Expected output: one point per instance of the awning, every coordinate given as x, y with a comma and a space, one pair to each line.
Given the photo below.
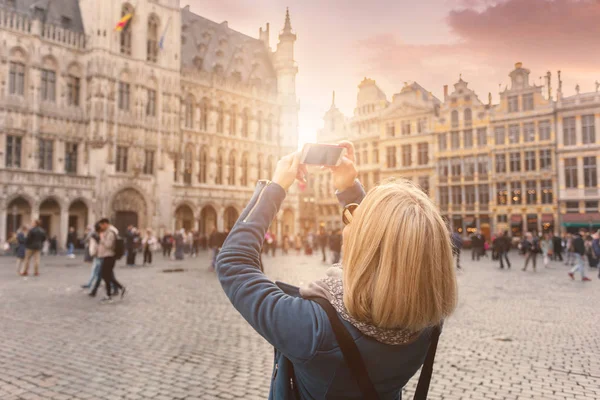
469, 220
582, 218
516, 219
593, 225
547, 218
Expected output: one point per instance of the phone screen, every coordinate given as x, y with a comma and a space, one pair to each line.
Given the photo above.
323, 155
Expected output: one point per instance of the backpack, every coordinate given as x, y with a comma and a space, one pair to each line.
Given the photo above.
119, 247
535, 246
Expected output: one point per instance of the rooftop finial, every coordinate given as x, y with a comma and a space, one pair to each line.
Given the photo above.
288, 24
333, 100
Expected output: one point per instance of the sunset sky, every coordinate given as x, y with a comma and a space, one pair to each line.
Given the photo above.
428, 41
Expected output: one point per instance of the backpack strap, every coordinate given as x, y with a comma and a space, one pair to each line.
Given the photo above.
349, 350
427, 370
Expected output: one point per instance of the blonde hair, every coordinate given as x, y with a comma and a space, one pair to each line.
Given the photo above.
398, 265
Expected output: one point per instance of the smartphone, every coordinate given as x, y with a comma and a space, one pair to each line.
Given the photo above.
329, 155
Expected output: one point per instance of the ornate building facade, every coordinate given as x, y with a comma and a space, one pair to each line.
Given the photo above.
165, 125
529, 163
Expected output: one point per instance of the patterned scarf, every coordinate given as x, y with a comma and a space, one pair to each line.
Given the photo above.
332, 289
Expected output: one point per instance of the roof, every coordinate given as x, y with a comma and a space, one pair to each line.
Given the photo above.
208, 45
64, 13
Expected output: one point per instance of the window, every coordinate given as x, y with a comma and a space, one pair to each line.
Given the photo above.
484, 195
546, 188
500, 135
390, 129
375, 154
482, 167
444, 198
468, 139
122, 159
590, 172
231, 177
469, 167
455, 167
423, 150
482, 137
500, 163
176, 168
470, 195
516, 193
124, 90
501, 194
514, 134
468, 117
391, 157
188, 162
454, 119
13, 151
151, 105
221, 118
531, 188
73, 90
48, 86
591, 206
424, 183
515, 161
259, 128
571, 173
406, 127
545, 159
406, 155
529, 132
544, 130
244, 179
70, 158
588, 130
443, 141
572, 207
16, 78
245, 123
421, 125
457, 195
148, 162
454, 140
219, 174
152, 42
502, 218
513, 103
528, 102
569, 138
530, 161
270, 128
203, 166
125, 38
443, 168
45, 154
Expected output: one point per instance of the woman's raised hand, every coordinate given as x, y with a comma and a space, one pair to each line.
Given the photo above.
345, 173
289, 169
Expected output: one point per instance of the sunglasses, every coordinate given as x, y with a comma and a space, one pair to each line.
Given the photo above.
348, 212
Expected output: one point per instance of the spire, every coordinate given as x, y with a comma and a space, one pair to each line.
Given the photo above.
333, 100
287, 28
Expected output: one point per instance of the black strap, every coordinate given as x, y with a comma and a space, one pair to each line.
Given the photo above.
356, 364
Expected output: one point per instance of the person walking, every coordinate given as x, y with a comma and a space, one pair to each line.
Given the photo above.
570, 259
477, 243
130, 246
596, 246
323, 243
92, 243
148, 243
167, 245
389, 319
578, 248
335, 245
33, 248
285, 244
457, 244
298, 244
196, 243
547, 246
106, 253
531, 248
179, 244
589, 251
71, 240
21, 247
503, 244
557, 248
214, 244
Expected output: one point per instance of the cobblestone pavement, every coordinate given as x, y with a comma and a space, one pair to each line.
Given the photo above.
515, 335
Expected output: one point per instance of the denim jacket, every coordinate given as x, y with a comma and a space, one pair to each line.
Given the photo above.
298, 328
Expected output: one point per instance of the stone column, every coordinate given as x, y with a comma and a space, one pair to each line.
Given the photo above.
3, 233
63, 227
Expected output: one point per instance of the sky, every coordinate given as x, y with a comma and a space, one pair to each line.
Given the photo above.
431, 42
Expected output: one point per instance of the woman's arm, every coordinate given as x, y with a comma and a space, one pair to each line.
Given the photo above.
292, 325
353, 194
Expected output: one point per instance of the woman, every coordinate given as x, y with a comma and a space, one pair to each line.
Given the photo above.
179, 244
298, 244
20, 250
148, 242
398, 282
92, 242
547, 247
590, 253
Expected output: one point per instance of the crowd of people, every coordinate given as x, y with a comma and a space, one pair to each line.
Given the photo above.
309, 244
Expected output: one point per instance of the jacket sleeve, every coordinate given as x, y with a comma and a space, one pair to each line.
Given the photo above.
354, 194
108, 240
291, 324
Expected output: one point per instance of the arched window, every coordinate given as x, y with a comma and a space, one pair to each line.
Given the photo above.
245, 123
189, 112
270, 128
244, 180
152, 42
202, 171
219, 176
233, 120
231, 177
126, 31
188, 162
204, 115
468, 117
259, 130
259, 167
455, 119
220, 118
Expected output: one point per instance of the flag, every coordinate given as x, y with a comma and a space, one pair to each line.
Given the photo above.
123, 22
161, 42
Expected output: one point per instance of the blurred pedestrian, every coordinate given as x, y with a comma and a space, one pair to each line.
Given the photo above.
53, 246
477, 243
578, 249
214, 244
298, 244
531, 246
457, 244
547, 248
21, 240
167, 244
502, 245
148, 243
107, 255
335, 245
323, 238
71, 240
130, 245
589, 251
570, 259
92, 242
285, 244
33, 247
557, 248
179, 244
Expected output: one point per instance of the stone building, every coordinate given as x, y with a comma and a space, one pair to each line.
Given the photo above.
166, 124
529, 163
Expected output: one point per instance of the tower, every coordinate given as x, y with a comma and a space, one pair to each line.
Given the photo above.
286, 69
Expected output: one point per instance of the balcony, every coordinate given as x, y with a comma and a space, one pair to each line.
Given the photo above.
456, 207
484, 207
455, 179
470, 207
44, 178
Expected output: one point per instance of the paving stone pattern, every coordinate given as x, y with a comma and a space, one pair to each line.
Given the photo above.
515, 335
